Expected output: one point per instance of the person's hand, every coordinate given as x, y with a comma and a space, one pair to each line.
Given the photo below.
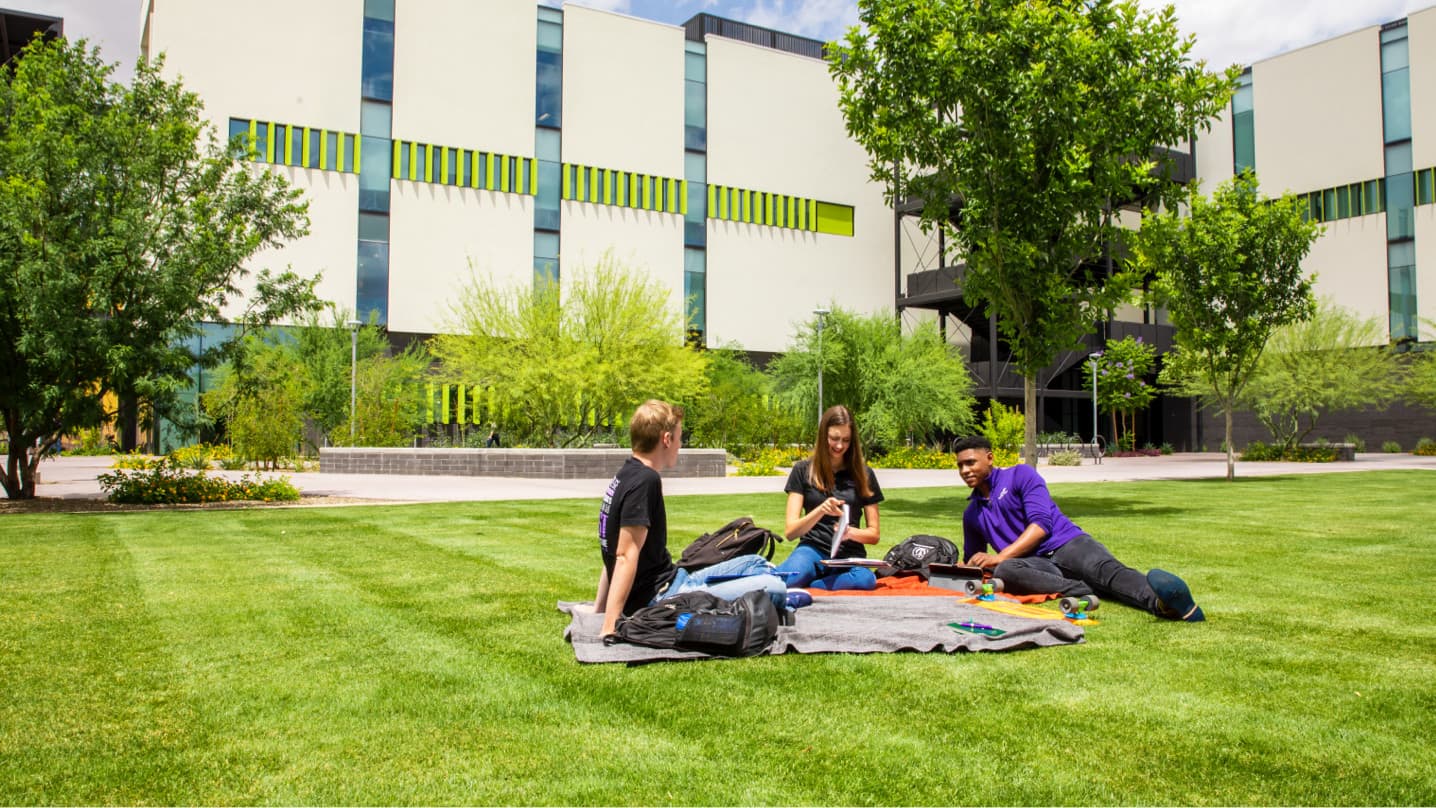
984, 560
832, 506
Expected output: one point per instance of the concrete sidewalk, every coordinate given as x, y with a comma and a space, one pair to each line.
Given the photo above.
76, 478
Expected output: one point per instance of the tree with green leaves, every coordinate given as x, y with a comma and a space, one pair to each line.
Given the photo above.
1332, 362
738, 411
123, 225
900, 387
1419, 384
1038, 119
564, 364
1229, 273
1122, 388
328, 354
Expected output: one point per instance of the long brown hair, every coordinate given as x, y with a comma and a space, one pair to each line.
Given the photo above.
820, 466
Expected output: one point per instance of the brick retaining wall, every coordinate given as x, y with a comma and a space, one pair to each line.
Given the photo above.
562, 464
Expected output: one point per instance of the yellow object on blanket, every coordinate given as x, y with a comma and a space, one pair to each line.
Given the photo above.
1006, 605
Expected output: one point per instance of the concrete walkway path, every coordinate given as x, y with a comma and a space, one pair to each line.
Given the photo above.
76, 478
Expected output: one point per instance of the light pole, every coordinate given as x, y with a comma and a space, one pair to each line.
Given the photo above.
353, 373
1093, 357
822, 313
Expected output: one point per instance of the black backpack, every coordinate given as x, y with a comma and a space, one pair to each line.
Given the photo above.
912, 555
702, 621
737, 538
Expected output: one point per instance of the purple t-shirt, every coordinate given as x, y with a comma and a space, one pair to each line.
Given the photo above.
1017, 498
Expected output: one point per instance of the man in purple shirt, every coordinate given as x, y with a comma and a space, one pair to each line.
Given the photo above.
1037, 549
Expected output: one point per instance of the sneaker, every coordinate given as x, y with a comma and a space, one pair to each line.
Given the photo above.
1174, 599
798, 598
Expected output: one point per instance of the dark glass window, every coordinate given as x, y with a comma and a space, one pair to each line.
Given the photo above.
239, 128
1400, 201
546, 204
261, 142
373, 227
331, 146
548, 96
378, 67
372, 294
374, 176
695, 116
1396, 104
1401, 280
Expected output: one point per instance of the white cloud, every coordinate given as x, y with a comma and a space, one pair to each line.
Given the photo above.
818, 19
1247, 31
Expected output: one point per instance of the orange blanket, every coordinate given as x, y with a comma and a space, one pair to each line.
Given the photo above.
915, 585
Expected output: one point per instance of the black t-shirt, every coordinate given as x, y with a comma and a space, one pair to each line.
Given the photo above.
820, 538
635, 499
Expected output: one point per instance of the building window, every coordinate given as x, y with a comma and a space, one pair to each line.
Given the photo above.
1243, 126
1401, 260
372, 294
378, 59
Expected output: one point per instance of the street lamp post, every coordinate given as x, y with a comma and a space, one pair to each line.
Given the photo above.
353, 373
822, 313
1096, 453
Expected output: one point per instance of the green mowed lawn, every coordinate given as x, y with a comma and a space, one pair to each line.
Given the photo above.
413, 654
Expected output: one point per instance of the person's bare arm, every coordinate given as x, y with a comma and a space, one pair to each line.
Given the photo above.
869, 533
625, 568
798, 524
600, 600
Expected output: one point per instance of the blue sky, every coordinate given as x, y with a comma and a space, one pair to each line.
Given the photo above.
1227, 31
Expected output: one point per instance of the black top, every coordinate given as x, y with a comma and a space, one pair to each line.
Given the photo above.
820, 538
635, 499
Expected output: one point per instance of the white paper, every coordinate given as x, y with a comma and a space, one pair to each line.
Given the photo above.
842, 527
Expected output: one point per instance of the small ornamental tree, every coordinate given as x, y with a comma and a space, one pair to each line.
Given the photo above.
1229, 273
1332, 362
1122, 386
900, 387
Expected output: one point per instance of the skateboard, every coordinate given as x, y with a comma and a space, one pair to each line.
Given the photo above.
1012, 607
1076, 608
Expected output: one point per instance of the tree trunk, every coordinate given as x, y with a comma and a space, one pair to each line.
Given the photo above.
1231, 453
18, 477
1029, 442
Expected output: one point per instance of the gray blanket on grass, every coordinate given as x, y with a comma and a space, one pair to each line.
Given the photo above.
854, 625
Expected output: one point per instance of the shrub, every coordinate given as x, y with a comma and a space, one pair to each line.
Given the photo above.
915, 457
1258, 451
1356, 441
134, 460
1390, 447
92, 442
1004, 427
165, 482
1425, 447
1166, 449
191, 457
1065, 457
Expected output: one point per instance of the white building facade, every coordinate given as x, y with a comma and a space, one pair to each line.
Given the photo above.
437, 138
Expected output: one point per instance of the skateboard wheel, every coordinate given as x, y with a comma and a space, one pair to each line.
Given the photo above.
972, 587
1069, 604
1093, 602
996, 584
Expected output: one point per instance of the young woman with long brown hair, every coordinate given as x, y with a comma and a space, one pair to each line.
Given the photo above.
818, 487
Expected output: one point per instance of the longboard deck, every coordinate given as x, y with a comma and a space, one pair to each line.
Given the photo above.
1005, 606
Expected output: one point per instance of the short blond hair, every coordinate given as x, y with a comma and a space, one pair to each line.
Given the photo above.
650, 421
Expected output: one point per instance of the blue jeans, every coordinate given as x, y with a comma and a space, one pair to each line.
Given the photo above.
807, 563
757, 576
